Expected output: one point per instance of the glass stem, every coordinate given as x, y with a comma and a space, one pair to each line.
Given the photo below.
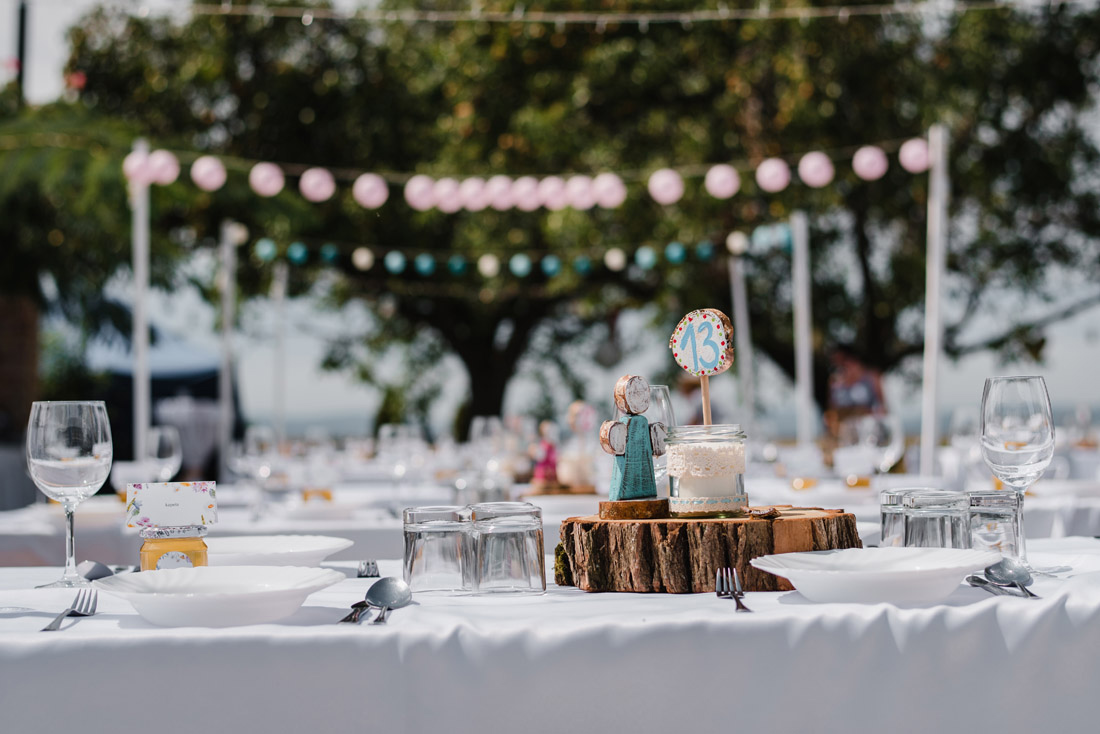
70, 545
1021, 543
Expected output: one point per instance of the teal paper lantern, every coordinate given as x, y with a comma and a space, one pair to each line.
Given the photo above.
424, 264
582, 265
675, 253
297, 253
704, 250
329, 252
394, 262
551, 265
265, 249
456, 264
645, 257
520, 265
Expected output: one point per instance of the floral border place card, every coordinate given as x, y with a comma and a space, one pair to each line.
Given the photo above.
171, 504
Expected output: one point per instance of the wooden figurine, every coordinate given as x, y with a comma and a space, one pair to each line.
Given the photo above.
545, 454
633, 442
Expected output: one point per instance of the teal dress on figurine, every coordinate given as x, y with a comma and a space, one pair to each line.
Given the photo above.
632, 476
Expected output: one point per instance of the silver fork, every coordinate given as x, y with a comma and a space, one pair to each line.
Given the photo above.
368, 570
727, 586
83, 605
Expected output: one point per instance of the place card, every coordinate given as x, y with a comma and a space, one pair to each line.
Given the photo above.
171, 504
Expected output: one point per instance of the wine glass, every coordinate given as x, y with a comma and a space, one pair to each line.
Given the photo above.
1017, 434
659, 411
165, 451
885, 436
69, 455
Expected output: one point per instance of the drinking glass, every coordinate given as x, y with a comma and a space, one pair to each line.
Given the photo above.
935, 518
438, 553
165, 451
69, 455
659, 411
507, 548
1017, 431
995, 521
886, 436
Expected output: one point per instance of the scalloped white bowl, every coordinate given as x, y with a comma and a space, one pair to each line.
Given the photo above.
874, 575
273, 550
219, 597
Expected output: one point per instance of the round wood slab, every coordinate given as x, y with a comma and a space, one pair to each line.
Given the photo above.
681, 556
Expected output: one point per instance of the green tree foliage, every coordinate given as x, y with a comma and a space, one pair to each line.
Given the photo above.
474, 98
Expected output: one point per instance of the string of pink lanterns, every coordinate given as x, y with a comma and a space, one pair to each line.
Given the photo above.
525, 193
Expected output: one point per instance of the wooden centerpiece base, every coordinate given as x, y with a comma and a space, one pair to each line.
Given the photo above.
648, 509
682, 555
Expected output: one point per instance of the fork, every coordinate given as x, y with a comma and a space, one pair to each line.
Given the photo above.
368, 570
83, 605
727, 586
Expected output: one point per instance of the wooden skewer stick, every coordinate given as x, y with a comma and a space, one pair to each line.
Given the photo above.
704, 384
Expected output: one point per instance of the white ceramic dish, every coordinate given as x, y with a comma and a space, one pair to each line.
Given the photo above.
273, 550
873, 575
219, 597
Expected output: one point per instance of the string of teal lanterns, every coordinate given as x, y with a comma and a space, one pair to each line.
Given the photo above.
521, 265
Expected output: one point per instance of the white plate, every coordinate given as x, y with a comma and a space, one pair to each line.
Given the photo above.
872, 575
219, 597
273, 550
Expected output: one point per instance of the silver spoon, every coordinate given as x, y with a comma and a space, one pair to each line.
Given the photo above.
1008, 572
388, 593
982, 583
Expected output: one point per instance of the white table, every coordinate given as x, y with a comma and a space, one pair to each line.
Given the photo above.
570, 661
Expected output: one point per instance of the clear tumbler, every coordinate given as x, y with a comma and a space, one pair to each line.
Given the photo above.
995, 521
893, 517
438, 549
508, 547
936, 518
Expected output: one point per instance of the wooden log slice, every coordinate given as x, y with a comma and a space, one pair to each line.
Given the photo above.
613, 437
681, 555
647, 509
632, 394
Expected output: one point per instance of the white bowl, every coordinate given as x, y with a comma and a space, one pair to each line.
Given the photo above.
273, 550
872, 575
219, 597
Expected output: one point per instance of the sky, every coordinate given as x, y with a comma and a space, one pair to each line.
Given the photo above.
316, 396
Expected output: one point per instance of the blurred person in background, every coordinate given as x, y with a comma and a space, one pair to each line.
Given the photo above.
855, 390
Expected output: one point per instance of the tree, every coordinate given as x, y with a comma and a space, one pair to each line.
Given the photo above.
473, 98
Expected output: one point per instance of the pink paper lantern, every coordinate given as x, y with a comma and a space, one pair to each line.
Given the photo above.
472, 194
163, 167
913, 155
266, 179
317, 185
773, 175
722, 181
870, 163
420, 193
666, 186
552, 193
525, 193
370, 191
608, 190
135, 167
579, 194
447, 198
208, 173
498, 191
816, 170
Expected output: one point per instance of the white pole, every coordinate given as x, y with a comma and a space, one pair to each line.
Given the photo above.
227, 283
743, 337
803, 333
278, 294
142, 388
939, 192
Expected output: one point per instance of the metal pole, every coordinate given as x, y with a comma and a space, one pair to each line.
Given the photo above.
939, 193
803, 334
743, 337
228, 285
142, 388
278, 294
21, 54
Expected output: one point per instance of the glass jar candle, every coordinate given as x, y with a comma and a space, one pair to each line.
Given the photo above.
173, 547
706, 469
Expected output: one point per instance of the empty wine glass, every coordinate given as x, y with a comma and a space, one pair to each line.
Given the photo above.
165, 451
659, 411
885, 435
69, 455
1017, 434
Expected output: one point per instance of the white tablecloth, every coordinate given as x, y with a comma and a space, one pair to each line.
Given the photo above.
570, 661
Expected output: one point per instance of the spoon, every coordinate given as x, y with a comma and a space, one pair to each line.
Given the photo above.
388, 593
982, 583
1008, 572
357, 610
